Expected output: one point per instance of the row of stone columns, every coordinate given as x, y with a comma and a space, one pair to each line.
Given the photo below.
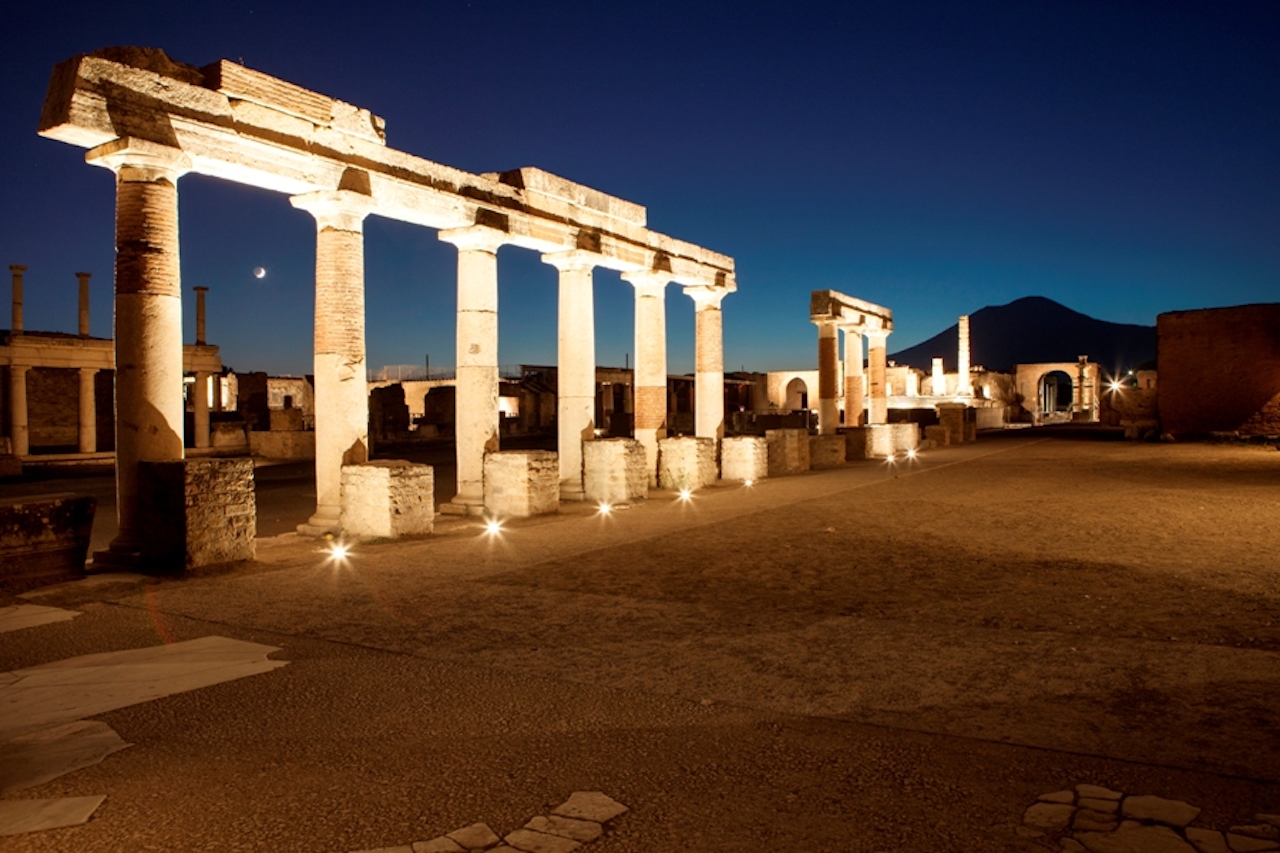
19, 415
828, 376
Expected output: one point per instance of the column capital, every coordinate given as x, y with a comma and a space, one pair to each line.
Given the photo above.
342, 210
140, 160
475, 238
880, 336
706, 297
89, 370
19, 269
575, 259
648, 282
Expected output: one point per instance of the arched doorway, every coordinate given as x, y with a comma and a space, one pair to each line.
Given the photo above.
797, 395
1057, 396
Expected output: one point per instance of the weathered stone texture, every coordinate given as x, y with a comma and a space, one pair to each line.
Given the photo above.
196, 512
387, 498
788, 451
285, 444
686, 463
938, 434
826, 451
873, 441
615, 470
44, 540
954, 417
520, 483
744, 457
905, 437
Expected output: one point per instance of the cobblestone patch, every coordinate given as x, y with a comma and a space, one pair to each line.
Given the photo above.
577, 821
1093, 819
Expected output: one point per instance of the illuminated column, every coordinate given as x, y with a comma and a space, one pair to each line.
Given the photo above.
855, 405
964, 387
84, 302
16, 325
1077, 401
200, 409
200, 329
708, 361
88, 411
476, 395
148, 317
19, 432
576, 359
938, 377
341, 389
828, 378
651, 364
879, 408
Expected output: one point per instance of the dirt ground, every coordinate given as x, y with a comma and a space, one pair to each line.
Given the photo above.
875, 658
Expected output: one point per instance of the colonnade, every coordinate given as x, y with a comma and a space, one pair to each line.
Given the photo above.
834, 313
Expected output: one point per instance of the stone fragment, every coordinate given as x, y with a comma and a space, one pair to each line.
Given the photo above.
443, 844
579, 830
1098, 792
1049, 816
1070, 845
1248, 844
540, 842
1057, 797
1099, 805
19, 816
478, 836
1171, 812
1135, 839
590, 805
1090, 820
1259, 830
1207, 840
36, 757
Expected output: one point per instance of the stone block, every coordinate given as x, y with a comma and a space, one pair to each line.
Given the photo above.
686, 463
614, 470
873, 441
954, 416
387, 498
520, 483
788, 451
44, 540
936, 433
196, 512
905, 437
286, 419
291, 444
826, 451
744, 457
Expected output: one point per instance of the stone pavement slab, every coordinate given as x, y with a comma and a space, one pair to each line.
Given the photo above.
18, 616
22, 816
38, 756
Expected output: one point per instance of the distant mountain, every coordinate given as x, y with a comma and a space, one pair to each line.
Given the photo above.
1035, 329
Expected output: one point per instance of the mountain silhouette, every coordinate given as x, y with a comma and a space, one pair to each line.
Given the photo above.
1032, 330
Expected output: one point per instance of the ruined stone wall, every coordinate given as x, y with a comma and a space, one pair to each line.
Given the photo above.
196, 512
53, 408
1220, 370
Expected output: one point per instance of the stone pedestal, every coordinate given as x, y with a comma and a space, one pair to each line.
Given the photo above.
873, 441
615, 470
905, 437
953, 416
387, 498
195, 512
744, 457
826, 451
788, 451
686, 463
937, 434
520, 483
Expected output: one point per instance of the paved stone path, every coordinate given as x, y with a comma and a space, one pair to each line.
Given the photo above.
1099, 820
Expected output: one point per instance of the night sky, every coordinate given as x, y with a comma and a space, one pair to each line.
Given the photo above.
1120, 158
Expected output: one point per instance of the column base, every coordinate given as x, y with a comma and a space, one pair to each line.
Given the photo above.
114, 559
570, 491
455, 508
326, 520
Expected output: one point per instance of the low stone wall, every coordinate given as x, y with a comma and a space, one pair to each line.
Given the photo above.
614, 470
826, 451
744, 457
196, 512
873, 441
520, 483
956, 417
44, 540
938, 434
228, 435
906, 437
988, 417
387, 498
291, 444
686, 463
788, 451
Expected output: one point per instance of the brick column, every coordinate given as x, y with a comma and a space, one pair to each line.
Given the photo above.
84, 302
576, 366
878, 412
708, 361
149, 402
200, 409
828, 378
88, 411
16, 270
476, 414
341, 389
19, 431
200, 329
650, 386
855, 404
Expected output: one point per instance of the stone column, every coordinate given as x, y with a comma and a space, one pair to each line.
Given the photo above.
828, 378
148, 319
84, 303
576, 366
19, 432
650, 387
938, 377
879, 409
88, 411
476, 413
855, 404
200, 292
708, 361
964, 387
341, 389
200, 409
17, 270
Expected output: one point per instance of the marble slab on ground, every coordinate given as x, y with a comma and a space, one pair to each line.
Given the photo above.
37, 757
20, 816
18, 616
92, 579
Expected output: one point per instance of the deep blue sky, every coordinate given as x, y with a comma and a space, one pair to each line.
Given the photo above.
1121, 158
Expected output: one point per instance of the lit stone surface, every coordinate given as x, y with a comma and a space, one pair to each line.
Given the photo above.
938, 434
744, 457
1207, 840
826, 451
788, 451
590, 805
1098, 792
583, 831
953, 417
540, 842
477, 836
387, 498
873, 441
1048, 816
443, 844
197, 512
905, 437
576, 366
521, 483
17, 616
1136, 839
1250, 844
686, 463
39, 756
615, 470
1171, 812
